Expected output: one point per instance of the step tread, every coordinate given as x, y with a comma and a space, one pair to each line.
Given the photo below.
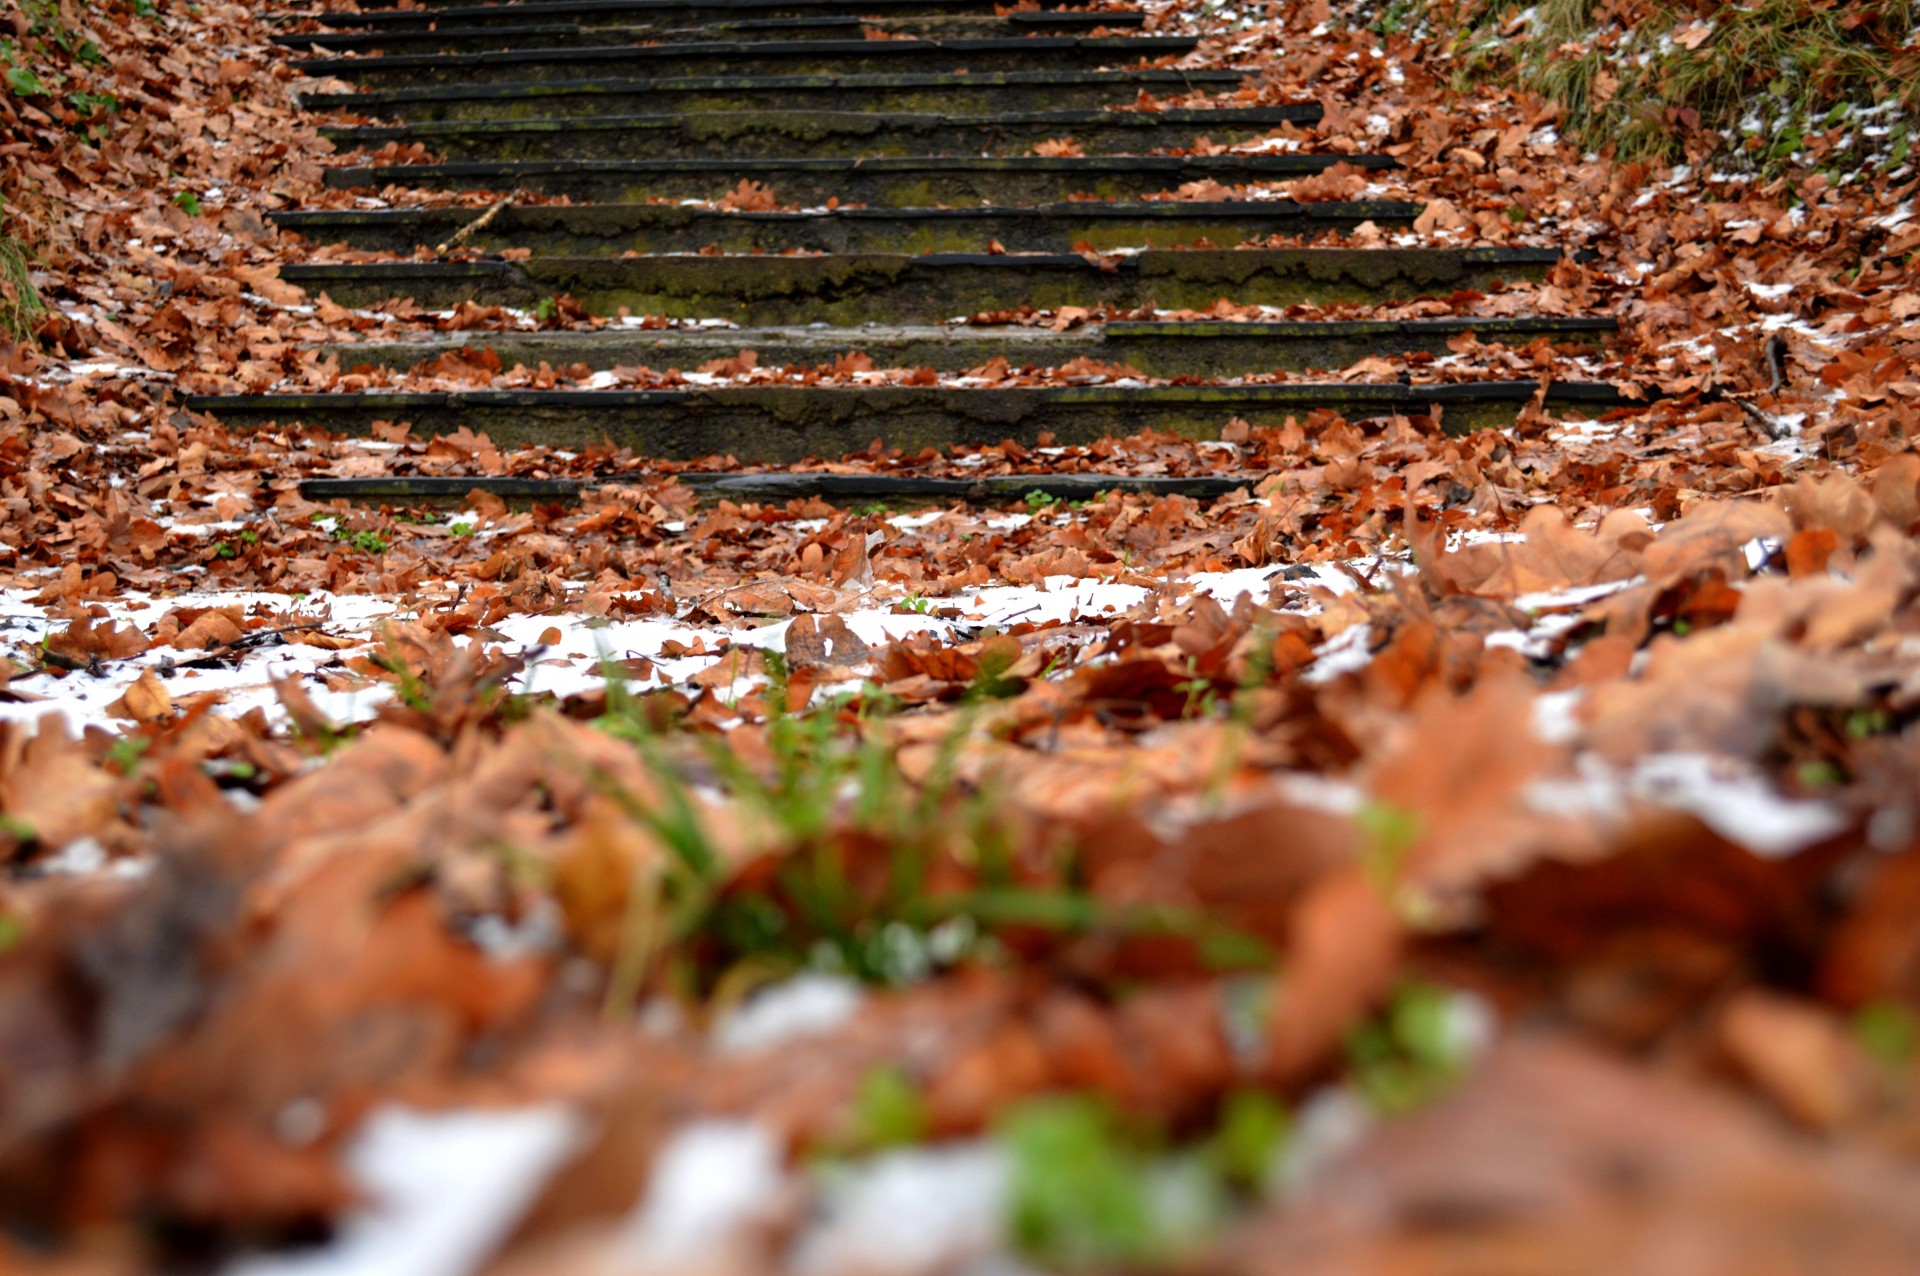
345, 40
745, 50
977, 81
1283, 393
577, 8
1119, 210
787, 483
1224, 116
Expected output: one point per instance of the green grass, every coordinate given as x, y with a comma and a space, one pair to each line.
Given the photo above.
20, 303
1782, 78
864, 871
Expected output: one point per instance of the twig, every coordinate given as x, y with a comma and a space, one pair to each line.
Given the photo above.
1773, 426
1776, 351
473, 227
246, 642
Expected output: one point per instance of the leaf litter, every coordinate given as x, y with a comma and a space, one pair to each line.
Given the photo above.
1514, 830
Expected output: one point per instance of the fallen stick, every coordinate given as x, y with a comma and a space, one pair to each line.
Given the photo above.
478, 224
1771, 425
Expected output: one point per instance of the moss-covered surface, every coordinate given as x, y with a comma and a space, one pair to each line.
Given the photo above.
980, 93
782, 424
890, 182
778, 133
661, 13
611, 229
770, 57
481, 37
859, 288
1203, 350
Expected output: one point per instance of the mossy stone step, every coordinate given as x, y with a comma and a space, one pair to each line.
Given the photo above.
1165, 349
977, 93
574, 230
787, 485
771, 57
784, 424
910, 181
780, 134
898, 288
644, 12
555, 35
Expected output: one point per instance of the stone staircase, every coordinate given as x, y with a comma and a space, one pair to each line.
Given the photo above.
899, 138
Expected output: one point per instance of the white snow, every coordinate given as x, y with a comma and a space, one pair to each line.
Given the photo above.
712, 1180
804, 1006
444, 1190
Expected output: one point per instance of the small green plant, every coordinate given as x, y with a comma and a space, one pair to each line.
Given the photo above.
368, 542
124, 754
1079, 1193
224, 549
917, 604
546, 309
888, 1111
1413, 1052
187, 202
1890, 1034
20, 303
1038, 500
461, 529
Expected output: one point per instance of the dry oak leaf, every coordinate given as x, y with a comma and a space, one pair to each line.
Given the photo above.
1553, 554
144, 701
1800, 1054
824, 640
81, 642
212, 629
749, 197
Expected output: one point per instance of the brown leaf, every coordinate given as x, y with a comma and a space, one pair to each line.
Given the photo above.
824, 640
145, 701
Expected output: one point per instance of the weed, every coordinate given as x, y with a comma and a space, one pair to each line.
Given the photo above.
187, 202
917, 604
1772, 73
1412, 1052
848, 883
20, 303
1089, 1192
461, 529
1890, 1034
888, 1111
123, 755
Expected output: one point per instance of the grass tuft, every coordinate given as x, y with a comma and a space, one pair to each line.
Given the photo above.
1780, 83
20, 303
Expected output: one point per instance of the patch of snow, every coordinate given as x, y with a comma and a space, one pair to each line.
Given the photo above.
443, 1189
806, 1005
919, 1210
712, 1180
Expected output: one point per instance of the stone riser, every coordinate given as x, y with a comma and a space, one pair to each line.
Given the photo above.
868, 288
783, 424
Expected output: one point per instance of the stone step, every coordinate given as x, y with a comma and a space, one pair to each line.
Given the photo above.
1209, 349
575, 230
556, 35
898, 288
779, 134
977, 93
780, 486
785, 424
684, 13
738, 57
906, 181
